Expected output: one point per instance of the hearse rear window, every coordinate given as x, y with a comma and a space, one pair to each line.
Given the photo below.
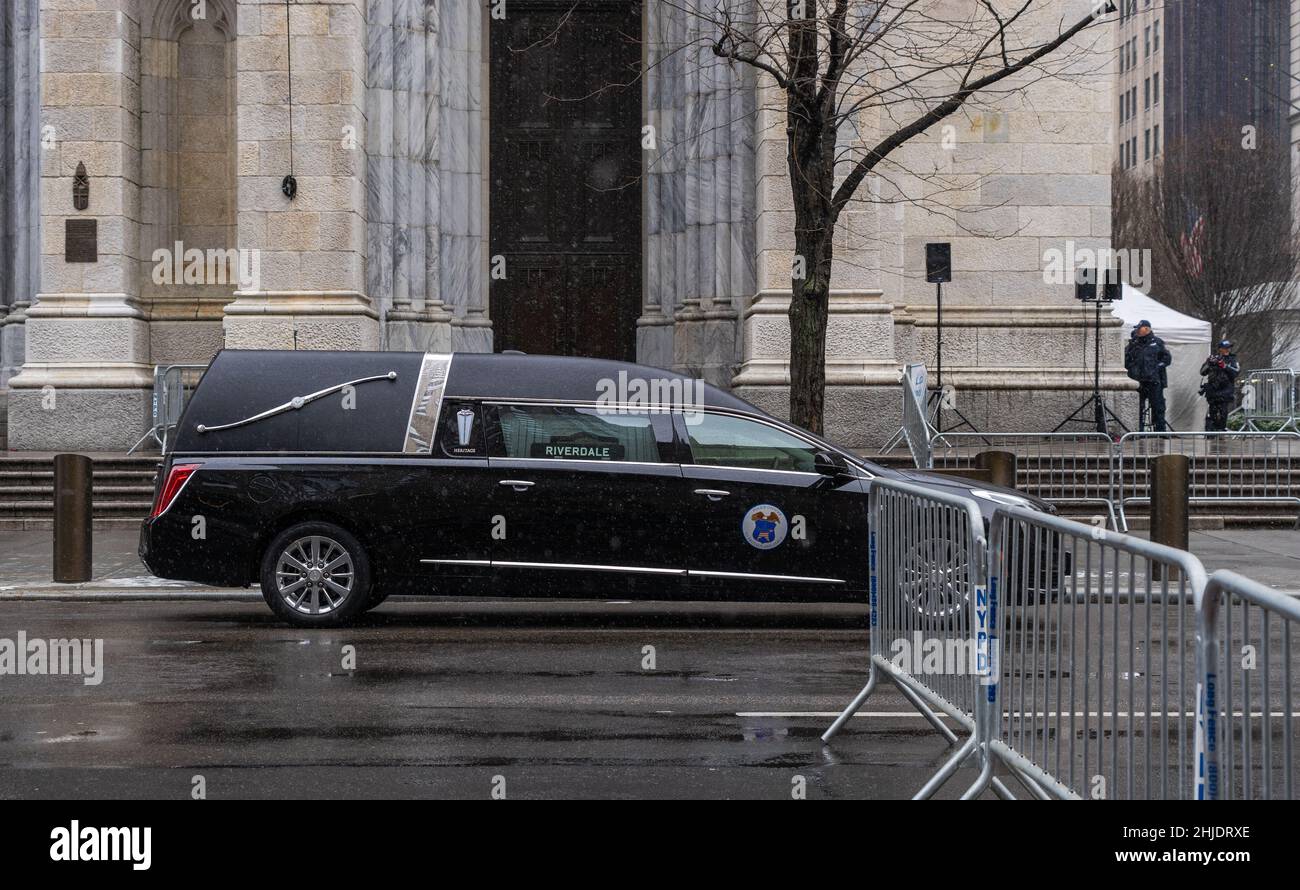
562, 432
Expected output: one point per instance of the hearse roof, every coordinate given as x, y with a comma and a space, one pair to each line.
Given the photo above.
512, 375
243, 401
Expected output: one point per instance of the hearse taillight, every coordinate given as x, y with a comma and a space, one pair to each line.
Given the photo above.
175, 480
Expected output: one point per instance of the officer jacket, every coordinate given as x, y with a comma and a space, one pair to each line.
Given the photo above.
1219, 381
1145, 359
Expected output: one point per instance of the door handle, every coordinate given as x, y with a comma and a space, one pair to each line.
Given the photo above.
517, 484
713, 494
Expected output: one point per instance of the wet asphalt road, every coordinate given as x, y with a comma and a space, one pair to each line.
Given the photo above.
453, 699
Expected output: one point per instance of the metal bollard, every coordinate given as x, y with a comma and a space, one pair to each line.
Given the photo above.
1001, 466
72, 517
1169, 510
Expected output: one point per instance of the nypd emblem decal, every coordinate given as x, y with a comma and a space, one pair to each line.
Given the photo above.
764, 526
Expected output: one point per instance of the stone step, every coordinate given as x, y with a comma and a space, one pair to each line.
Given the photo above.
99, 492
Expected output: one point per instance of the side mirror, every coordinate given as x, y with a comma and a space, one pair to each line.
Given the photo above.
830, 464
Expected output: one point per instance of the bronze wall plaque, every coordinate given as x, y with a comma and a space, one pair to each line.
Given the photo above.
81, 240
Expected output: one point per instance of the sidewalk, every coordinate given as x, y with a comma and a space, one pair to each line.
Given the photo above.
1269, 556
26, 558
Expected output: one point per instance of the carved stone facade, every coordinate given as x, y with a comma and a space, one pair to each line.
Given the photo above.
184, 126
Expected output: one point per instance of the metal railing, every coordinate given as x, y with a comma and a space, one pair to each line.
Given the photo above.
1082, 662
1098, 681
172, 387
927, 557
1064, 468
1268, 395
1231, 467
916, 431
1248, 644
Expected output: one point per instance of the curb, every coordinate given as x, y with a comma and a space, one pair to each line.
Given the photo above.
93, 593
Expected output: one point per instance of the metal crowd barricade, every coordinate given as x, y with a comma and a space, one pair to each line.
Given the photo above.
927, 557
1250, 647
916, 431
172, 387
1064, 468
1225, 467
1269, 396
1098, 675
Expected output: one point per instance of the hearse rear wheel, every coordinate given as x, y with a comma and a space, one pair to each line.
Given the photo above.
316, 574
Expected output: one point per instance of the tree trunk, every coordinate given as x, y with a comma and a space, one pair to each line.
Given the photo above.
809, 312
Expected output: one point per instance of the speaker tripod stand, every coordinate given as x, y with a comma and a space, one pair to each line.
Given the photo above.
935, 402
1094, 404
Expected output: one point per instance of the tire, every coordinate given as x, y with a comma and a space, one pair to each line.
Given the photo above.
314, 598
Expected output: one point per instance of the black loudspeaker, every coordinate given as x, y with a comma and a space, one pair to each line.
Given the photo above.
1085, 286
938, 263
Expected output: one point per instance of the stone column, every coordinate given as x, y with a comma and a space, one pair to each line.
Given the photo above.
312, 288
461, 163
700, 200
19, 183
402, 194
85, 380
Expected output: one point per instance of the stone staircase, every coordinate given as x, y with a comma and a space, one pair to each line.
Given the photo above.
122, 486
1203, 515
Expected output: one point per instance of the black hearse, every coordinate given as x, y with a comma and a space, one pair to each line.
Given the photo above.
336, 478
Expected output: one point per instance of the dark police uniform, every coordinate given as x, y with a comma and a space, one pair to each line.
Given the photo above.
1220, 373
1145, 359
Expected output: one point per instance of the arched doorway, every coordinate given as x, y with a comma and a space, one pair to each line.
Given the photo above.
188, 173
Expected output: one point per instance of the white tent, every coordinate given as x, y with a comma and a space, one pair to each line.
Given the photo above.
1188, 340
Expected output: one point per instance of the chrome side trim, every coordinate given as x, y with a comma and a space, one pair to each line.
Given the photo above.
426, 403
757, 577
552, 461
571, 566
508, 564
295, 403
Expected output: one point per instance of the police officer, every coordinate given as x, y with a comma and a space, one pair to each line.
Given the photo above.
1220, 371
1145, 359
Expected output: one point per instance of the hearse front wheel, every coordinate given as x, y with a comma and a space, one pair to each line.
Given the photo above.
316, 574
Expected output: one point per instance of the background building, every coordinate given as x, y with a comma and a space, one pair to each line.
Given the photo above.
1188, 65
1140, 81
453, 193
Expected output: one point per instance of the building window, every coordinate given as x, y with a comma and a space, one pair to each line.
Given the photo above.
1146, 93
1146, 147
1155, 31
1155, 140
1146, 42
1123, 59
1155, 87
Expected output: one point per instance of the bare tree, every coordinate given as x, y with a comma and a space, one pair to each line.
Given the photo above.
907, 63
1216, 213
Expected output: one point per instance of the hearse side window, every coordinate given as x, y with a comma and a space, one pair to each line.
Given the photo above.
460, 429
719, 440
567, 432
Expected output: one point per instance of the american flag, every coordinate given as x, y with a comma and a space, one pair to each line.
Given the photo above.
1193, 242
